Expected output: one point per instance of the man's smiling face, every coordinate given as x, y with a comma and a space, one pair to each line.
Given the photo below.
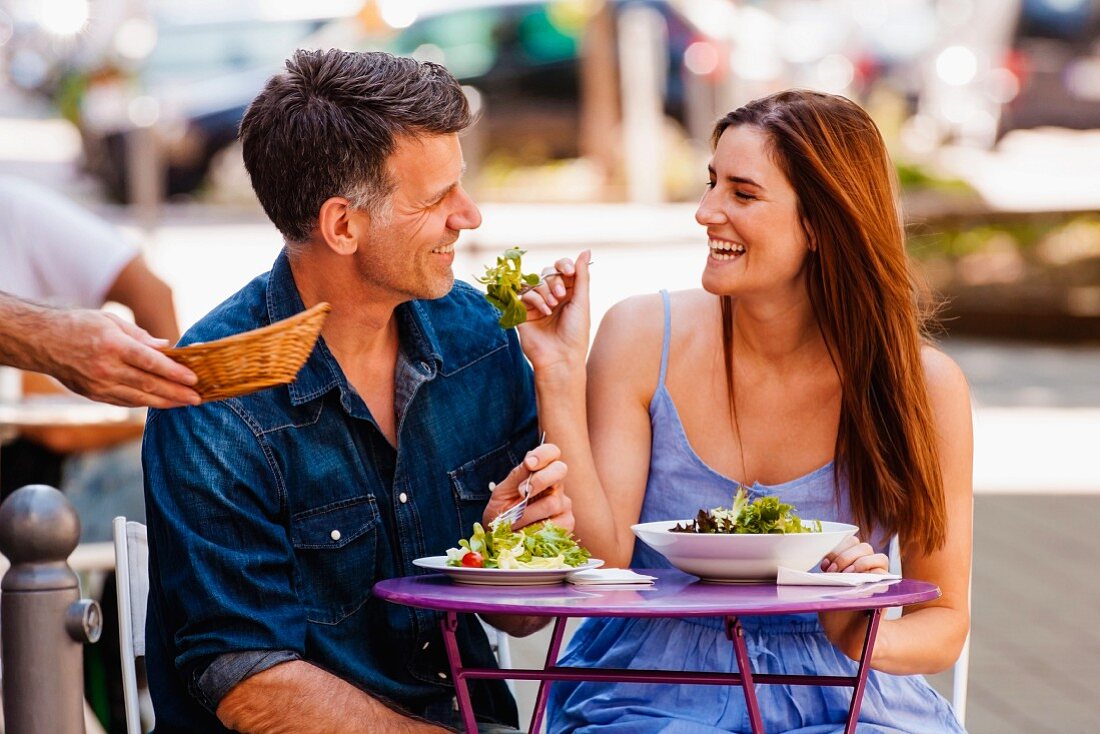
412, 236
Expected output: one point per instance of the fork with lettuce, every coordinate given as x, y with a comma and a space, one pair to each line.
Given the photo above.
504, 283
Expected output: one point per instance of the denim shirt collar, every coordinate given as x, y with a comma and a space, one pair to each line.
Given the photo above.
321, 372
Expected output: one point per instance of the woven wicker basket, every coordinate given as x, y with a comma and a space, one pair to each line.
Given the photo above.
243, 363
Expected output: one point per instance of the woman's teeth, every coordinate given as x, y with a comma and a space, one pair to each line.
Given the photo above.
721, 250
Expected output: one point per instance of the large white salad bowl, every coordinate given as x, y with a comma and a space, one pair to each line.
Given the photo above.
741, 558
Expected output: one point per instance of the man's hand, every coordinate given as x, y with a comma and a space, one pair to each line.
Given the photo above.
541, 473
107, 359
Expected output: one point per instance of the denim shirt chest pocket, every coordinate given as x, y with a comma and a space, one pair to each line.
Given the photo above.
335, 547
470, 483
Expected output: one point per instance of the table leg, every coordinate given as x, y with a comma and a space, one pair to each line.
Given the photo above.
874, 616
449, 623
737, 636
544, 685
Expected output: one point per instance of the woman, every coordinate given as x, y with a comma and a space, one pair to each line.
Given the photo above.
798, 371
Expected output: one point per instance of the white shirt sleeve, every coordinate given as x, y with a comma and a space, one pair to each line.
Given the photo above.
55, 252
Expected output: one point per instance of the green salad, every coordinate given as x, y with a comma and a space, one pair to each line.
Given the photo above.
541, 545
503, 283
762, 516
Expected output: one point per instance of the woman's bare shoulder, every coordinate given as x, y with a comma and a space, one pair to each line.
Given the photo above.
940, 371
639, 321
948, 390
628, 344
693, 304
636, 323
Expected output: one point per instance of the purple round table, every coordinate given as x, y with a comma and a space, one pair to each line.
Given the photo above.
673, 594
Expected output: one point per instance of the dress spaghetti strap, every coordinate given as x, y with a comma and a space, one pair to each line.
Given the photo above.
667, 339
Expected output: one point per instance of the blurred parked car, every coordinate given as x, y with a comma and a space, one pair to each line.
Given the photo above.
1055, 56
1028, 63
185, 90
521, 59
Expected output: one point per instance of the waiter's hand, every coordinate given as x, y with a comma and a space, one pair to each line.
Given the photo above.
105, 358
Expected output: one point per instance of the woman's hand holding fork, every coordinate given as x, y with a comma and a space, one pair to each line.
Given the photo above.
555, 335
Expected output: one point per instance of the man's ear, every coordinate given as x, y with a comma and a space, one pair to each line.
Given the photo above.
339, 225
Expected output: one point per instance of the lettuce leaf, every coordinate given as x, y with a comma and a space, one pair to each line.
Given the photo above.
541, 545
762, 516
502, 285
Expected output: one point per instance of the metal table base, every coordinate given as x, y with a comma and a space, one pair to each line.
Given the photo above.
745, 678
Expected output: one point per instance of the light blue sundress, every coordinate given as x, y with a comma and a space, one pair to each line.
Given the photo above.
679, 484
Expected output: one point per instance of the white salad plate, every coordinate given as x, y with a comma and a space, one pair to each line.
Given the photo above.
501, 576
744, 558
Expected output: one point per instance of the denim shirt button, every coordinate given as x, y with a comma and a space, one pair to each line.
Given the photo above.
442, 675
335, 535
403, 497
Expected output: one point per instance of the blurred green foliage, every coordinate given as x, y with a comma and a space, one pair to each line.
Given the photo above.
914, 176
1056, 239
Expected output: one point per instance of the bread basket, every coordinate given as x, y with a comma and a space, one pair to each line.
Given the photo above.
244, 363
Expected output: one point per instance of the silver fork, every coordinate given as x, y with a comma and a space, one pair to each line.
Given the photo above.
513, 514
542, 280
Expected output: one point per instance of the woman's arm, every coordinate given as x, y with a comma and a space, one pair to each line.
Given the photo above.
607, 481
929, 637
599, 415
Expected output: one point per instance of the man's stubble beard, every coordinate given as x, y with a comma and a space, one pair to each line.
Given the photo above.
417, 282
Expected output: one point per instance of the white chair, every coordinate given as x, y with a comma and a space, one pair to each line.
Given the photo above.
960, 673
498, 642
132, 584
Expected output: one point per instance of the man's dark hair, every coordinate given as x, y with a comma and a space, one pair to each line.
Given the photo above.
326, 126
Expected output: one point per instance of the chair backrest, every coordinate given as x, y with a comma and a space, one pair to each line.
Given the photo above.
498, 641
960, 673
132, 570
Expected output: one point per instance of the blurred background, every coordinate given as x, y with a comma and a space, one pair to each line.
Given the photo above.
593, 132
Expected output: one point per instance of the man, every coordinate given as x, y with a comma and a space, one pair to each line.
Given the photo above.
271, 516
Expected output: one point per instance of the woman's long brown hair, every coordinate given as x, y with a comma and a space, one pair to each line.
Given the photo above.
865, 301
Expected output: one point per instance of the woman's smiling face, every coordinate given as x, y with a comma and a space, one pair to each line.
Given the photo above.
755, 236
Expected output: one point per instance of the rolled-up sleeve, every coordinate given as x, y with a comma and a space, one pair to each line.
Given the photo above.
221, 563
228, 670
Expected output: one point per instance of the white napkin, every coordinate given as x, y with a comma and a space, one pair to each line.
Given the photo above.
616, 576
790, 577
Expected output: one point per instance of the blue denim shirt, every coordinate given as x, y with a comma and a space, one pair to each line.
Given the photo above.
271, 516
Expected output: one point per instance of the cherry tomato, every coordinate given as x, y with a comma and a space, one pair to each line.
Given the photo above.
473, 559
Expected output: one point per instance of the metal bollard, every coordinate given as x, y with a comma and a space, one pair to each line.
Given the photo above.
44, 621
